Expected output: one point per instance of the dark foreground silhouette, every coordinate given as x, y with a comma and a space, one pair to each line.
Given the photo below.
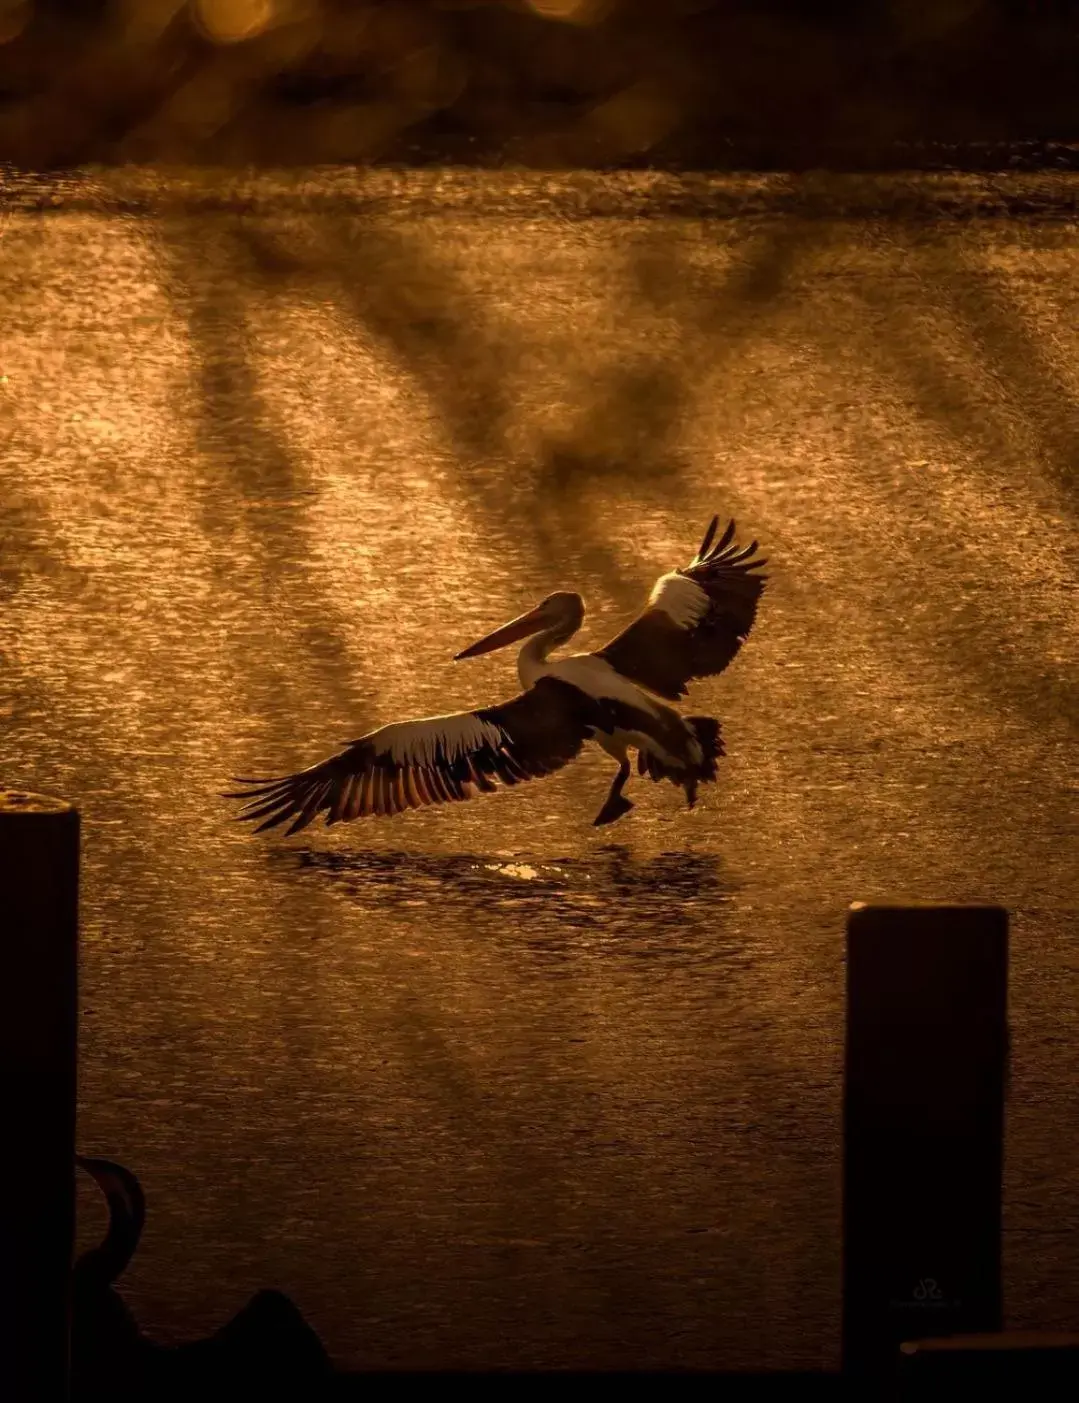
266, 1351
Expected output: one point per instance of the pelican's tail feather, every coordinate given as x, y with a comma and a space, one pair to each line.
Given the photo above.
706, 732
710, 738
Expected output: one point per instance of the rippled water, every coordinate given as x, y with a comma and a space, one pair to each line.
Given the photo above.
484, 1086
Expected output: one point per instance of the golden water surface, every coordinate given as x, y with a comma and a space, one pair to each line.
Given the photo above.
484, 1086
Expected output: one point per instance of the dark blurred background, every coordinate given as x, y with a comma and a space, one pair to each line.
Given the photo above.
549, 83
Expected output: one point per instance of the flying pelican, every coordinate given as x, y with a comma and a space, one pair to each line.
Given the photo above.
696, 620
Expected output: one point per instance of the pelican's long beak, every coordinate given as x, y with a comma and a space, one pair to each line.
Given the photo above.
517, 628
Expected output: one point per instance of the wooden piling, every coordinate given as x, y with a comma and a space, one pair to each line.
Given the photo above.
39, 864
926, 1053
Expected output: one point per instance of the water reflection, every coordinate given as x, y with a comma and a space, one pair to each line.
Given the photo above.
607, 905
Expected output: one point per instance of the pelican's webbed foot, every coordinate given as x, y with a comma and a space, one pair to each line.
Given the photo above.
615, 805
613, 809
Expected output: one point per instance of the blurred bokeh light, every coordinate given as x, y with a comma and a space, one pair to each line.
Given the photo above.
536, 82
230, 21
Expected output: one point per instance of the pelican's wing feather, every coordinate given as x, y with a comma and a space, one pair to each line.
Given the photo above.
696, 620
410, 764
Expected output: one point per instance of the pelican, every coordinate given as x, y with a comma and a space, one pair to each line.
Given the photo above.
694, 624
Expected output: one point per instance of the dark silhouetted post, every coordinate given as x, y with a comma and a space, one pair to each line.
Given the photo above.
39, 866
923, 1126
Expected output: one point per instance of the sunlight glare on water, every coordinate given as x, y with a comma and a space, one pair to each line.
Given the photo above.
485, 1086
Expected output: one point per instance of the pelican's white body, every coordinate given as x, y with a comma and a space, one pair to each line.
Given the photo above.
592, 675
597, 678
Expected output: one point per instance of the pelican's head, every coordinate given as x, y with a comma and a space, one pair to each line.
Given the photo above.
559, 615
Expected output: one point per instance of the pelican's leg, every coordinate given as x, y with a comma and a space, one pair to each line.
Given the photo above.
615, 806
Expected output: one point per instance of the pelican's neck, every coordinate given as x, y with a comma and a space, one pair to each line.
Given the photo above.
533, 656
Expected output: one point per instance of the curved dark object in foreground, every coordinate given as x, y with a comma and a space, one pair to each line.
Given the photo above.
266, 1351
101, 1266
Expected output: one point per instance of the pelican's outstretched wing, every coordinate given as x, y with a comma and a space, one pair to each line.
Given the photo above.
414, 763
696, 620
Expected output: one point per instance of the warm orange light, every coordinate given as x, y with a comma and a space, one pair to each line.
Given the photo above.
571, 11
14, 17
636, 118
232, 21
144, 21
